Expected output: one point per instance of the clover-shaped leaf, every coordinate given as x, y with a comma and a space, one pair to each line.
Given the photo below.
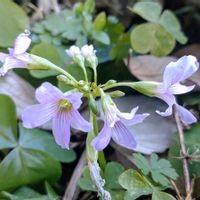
160, 170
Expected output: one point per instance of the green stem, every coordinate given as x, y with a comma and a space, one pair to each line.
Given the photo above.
85, 74
101, 156
129, 84
95, 75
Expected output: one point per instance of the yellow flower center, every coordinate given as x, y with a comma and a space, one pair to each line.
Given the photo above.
65, 105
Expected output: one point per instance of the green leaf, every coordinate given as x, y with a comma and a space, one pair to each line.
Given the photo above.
120, 49
147, 10
112, 172
117, 194
171, 23
27, 193
8, 123
102, 37
135, 184
100, 21
160, 169
13, 21
50, 191
55, 23
28, 164
41, 140
89, 6
141, 163
85, 183
158, 195
49, 52
153, 38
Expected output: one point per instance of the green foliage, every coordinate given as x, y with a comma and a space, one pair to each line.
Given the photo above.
159, 35
138, 185
153, 38
111, 175
100, 21
13, 21
27, 193
49, 52
34, 156
192, 141
160, 169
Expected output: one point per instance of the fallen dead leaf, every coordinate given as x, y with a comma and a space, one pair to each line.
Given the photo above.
149, 68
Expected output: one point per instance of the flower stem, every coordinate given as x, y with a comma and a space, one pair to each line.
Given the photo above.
101, 156
183, 154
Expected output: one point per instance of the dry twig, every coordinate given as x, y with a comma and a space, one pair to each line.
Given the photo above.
70, 192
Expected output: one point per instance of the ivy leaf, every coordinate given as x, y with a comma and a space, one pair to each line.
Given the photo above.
160, 169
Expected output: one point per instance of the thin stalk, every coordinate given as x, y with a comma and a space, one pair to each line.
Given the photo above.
95, 75
183, 154
85, 74
101, 156
129, 84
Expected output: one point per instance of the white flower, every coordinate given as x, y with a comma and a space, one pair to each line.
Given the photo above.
87, 51
73, 51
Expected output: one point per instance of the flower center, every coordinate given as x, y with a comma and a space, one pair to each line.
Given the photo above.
65, 105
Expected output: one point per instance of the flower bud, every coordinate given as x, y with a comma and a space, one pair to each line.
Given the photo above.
75, 53
37, 62
145, 87
93, 105
116, 94
88, 53
64, 79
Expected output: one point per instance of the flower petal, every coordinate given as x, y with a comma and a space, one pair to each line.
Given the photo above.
75, 99
11, 63
180, 70
180, 89
3, 57
48, 93
122, 136
22, 43
128, 116
185, 115
38, 114
135, 120
167, 113
61, 130
78, 122
102, 140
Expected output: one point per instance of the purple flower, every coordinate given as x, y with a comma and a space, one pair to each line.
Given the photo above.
61, 108
17, 57
115, 123
174, 73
